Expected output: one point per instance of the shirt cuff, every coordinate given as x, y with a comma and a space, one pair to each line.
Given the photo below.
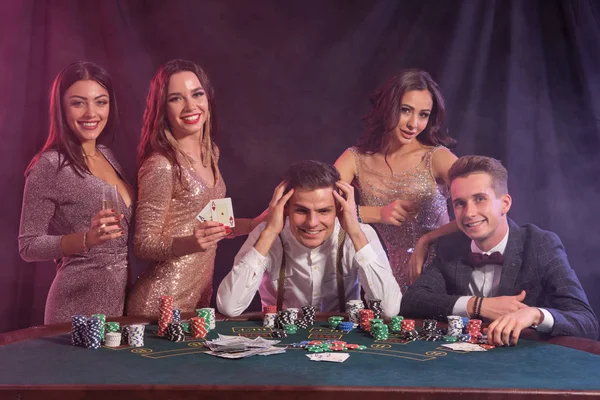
365, 256
548, 322
460, 307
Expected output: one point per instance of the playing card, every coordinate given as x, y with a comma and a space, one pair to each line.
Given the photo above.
331, 357
467, 347
205, 214
222, 211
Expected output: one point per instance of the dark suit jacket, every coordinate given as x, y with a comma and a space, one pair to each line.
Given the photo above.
534, 261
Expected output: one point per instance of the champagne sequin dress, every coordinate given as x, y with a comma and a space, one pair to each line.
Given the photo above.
165, 210
58, 202
416, 184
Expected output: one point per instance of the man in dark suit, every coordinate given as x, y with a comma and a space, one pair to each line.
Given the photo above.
512, 276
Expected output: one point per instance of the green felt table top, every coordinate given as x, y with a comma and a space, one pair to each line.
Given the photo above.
531, 364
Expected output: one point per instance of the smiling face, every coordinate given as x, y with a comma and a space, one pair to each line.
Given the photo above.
312, 215
480, 213
86, 106
414, 115
187, 104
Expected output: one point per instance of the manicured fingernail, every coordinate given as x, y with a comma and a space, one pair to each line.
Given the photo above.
227, 229
112, 211
116, 218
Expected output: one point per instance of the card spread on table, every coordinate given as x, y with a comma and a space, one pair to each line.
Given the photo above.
331, 357
462, 346
219, 210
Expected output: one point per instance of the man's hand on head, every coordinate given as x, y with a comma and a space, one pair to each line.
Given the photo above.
347, 215
505, 331
275, 218
493, 308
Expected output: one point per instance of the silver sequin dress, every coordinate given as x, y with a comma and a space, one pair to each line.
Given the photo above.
416, 184
60, 202
166, 210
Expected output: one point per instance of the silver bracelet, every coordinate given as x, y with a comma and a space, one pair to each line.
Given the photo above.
360, 220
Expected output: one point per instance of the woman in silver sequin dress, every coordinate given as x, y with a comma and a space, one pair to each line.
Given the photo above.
179, 175
62, 217
400, 168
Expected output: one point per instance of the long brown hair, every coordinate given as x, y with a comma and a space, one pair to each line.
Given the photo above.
156, 133
60, 137
384, 114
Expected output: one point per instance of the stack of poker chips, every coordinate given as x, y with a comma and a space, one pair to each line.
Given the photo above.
345, 326
176, 315
165, 314
212, 321
294, 314
396, 323
93, 333
302, 323
430, 332
290, 329
112, 327
455, 325
366, 315
78, 330
102, 319
353, 308
186, 326
112, 339
269, 320
269, 309
375, 305
464, 337
408, 331
473, 328
308, 314
125, 335
380, 331
135, 335
374, 324
209, 317
283, 318
175, 332
334, 321
279, 333
198, 327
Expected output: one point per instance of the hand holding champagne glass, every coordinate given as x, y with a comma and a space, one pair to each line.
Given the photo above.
105, 225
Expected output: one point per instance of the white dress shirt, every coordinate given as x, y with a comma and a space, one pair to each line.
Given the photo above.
310, 274
485, 281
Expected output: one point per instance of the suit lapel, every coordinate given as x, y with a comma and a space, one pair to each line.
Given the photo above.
463, 271
513, 259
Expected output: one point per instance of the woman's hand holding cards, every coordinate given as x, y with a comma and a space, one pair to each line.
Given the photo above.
209, 233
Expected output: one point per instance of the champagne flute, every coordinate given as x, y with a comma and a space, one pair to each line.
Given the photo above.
110, 201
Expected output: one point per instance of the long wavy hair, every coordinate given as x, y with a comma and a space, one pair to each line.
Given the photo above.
156, 132
60, 137
384, 114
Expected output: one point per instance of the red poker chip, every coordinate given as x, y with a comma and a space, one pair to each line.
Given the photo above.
352, 346
314, 342
487, 346
338, 343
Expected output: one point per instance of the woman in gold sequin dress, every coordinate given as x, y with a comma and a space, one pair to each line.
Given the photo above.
400, 168
62, 217
178, 176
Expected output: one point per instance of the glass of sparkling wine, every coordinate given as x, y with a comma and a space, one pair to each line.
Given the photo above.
110, 201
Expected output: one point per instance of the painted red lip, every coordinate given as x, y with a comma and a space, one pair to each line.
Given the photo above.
193, 121
89, 128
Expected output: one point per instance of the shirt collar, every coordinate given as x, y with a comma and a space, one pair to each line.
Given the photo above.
500, 247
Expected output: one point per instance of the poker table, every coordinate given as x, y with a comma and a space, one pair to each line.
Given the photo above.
40, 363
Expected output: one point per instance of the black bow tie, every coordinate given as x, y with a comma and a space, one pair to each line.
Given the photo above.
477, 259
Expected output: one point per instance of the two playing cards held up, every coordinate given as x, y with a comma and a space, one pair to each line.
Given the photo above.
219, 210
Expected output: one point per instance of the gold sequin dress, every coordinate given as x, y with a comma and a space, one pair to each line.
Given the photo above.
58, 202
416, 184
165, 210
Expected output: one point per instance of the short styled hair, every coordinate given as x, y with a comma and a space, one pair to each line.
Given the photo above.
311, 175
468, 165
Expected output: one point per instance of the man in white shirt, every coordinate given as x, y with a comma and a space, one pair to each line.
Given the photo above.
311, 250
512, 276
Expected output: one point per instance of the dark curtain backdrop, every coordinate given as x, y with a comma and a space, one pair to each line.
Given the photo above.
521, 81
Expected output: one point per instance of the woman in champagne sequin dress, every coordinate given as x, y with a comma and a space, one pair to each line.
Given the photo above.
62, 217
178, 176
400, 168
